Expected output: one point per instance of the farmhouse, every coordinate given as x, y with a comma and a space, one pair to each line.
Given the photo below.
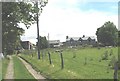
55, 43
75, 41
27, 45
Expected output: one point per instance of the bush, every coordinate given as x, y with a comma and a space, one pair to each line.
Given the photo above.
105, 56
112, 62
111, 52
29, 52
7, 57
85, 61
99, 60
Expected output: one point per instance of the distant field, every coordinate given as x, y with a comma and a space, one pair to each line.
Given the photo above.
79, 63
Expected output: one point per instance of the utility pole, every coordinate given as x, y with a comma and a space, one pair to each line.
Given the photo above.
38, 37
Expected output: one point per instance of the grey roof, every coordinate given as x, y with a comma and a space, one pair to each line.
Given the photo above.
54, 41
74, 38
27, 42
83, 38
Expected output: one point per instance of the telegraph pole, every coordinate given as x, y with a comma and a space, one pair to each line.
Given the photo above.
38, 37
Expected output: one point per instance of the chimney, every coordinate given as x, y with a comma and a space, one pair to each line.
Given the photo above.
66, 37
83, 36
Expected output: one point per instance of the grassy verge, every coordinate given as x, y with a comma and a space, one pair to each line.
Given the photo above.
5, 63
20, 71
0, 69
75, 67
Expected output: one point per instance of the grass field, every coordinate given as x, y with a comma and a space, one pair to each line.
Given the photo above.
20, 71
79, 63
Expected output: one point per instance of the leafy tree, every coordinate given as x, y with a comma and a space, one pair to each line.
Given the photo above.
43, 42
119, 38
107, 34
119, 49
14, 13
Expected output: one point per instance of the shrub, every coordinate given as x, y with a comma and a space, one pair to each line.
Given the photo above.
99, 60
111, 52
91, 59
7, 57
85, 61
74, 54
112, 62
98, 48
29, 52
105, 56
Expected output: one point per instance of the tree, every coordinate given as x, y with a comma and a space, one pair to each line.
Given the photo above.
119, 38
14, 13
107, 34
43, 42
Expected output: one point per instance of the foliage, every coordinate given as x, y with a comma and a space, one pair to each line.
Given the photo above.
112, 62
43, 42
105, 56
111, 52
85, 61
29, 52
14, 13
119, 38
107, 34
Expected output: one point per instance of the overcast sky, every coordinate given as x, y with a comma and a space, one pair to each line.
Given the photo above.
74, 18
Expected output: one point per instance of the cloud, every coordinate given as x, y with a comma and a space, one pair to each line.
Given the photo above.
62, 17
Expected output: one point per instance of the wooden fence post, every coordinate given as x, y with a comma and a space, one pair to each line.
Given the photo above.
49, 58
62, 62
115, 71
31, 52
42, 55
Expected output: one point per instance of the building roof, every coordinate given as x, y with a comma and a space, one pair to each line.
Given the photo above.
74, 38
83, 38
54, 41
27, 42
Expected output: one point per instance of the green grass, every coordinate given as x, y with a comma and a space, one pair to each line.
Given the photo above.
5, 63
75, 68
20, 71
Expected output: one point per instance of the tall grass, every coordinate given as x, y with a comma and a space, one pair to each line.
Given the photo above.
85, 65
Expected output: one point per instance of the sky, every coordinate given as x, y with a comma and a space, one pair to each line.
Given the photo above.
73, 18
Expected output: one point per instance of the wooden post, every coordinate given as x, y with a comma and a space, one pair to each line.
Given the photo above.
32, 54
49, 58
62, 62
85, 61
38, 36
74, 55
115, 71
42, 55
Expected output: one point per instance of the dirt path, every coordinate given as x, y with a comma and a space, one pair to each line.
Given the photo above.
31, 70
10, 70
